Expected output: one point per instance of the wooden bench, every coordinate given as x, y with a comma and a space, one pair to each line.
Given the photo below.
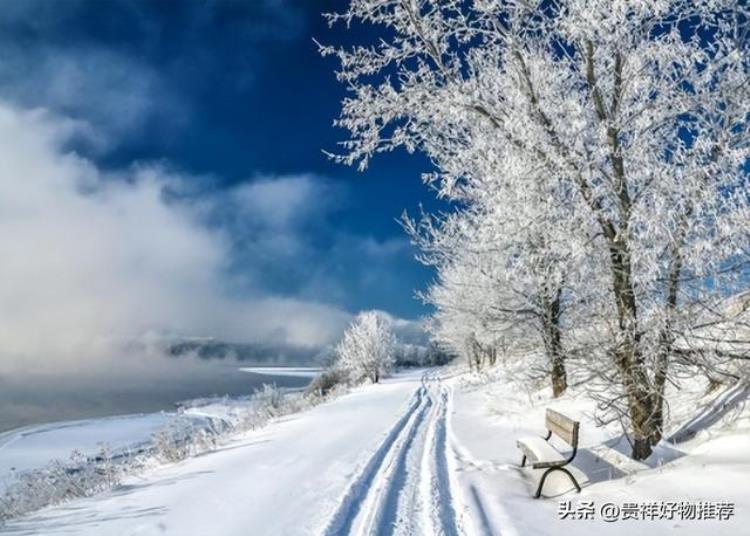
545, 456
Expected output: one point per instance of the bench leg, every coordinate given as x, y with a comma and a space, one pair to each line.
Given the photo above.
572, 478
541, 482
523, 462
547, 472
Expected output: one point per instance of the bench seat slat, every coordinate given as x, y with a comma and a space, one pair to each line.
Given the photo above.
540, 452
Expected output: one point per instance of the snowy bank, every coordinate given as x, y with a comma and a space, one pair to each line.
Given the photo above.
32, 447
285, 478
708, 465
297, 372
53, 464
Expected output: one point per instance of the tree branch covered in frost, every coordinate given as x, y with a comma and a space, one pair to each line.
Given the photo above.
597, 155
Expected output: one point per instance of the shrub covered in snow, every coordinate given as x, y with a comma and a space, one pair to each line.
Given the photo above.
190, 433
327, 382
60, 481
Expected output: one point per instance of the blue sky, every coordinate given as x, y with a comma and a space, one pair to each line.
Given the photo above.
234, 99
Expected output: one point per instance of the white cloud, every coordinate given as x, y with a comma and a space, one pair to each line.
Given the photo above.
92, 259
283, 201
113, 91
273, 216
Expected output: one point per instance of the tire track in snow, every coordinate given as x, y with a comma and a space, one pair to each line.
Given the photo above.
399, 481
446, 514
406, 487
346, 513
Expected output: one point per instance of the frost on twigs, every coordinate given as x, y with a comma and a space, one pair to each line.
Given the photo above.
366, 350
595, 153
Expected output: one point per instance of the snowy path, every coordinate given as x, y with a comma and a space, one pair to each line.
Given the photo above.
404, 488
375, 461
419, 454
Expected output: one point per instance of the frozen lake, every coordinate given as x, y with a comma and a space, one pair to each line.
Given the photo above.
35, 398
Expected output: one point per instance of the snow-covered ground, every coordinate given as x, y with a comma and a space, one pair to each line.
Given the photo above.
713, 466
424, 453
284, 479
33, 446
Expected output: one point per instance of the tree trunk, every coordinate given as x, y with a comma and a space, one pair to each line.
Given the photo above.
627, 353
559, 377
666, 337
493, 355
660, 380
553, 343
628, 356
664, 351
641, 412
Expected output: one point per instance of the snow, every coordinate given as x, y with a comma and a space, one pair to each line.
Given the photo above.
298, 372
714, 466
282, 479
33, 446
425, 452
406, 475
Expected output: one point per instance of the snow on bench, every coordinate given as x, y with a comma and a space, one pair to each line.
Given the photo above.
544, 455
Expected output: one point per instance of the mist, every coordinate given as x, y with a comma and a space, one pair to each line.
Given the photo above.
95, 259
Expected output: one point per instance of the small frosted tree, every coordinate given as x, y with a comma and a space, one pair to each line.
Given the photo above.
366, 349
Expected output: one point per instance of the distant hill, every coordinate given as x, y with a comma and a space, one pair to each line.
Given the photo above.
410, 334
263, 353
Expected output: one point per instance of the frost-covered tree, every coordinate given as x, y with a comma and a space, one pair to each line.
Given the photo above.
636, 115
366, 350
502, 263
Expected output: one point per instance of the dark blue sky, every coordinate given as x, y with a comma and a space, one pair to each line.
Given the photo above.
230, 92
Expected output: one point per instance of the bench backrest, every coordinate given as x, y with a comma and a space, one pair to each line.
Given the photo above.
563, 427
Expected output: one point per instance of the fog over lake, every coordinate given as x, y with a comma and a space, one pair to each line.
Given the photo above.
41, 396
